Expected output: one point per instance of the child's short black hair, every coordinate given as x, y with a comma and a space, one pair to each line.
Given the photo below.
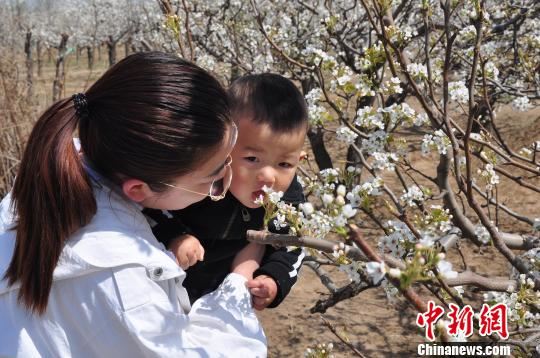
270, 99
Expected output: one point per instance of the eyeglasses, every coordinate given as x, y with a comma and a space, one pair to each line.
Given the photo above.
218, 188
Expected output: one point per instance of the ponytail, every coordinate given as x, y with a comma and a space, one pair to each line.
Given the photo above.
52, 197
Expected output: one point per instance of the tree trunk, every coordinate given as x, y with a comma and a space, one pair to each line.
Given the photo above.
111, 49
315, 134
316, 139
127, 46
29, 64
90, 56
39, 58
59, 79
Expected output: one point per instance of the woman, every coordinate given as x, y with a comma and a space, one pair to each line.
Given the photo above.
82, 273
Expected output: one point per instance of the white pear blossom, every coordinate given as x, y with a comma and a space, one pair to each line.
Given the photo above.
327, 199
438, 141
376, 142
413, 195
482, 234
345, 134
467, 33
417, 71
526, 152
280, 221
489, 176
307, 208
458, 91
394, 272
340, 200
392, 86
521, 104
376, 271
384, 161
445, 269
348, 211
369, 118
491, 70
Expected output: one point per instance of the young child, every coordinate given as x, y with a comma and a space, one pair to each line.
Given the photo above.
271, 117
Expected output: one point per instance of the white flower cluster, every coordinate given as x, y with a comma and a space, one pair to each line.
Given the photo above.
421, 119
321, 350
391, 87
343, 76
363, 88
359, 192
280, 221
376, 271
273, 196
521, 104
467, 33
482, 234
376, 142
412, 196
384, 161
395, 242
316, 112
489, 176
318, 55
445, 269
330, 175
369, 118
346, 135
317, 225
439, 140
518, 303
491, 71
417, 71
437, 219
407, 33
458, 91
526, 152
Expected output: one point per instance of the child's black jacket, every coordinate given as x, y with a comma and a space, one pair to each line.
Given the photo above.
221, 228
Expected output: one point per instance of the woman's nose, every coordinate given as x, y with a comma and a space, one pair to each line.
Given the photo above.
266, 176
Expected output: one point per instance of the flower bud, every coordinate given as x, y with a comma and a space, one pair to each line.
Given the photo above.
394, 272
340, 200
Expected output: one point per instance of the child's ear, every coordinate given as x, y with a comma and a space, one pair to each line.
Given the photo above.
303, 155
136, 190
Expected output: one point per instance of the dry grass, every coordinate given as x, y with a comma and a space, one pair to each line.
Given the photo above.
18, 111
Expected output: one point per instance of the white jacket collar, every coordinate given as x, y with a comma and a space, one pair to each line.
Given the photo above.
117, 235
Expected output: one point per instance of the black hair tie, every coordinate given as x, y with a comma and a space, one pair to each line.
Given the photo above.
81, 104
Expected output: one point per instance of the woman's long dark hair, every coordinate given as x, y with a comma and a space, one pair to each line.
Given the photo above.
152, 116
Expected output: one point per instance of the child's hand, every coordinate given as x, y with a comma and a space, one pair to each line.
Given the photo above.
247, 260
187, 249
264, 290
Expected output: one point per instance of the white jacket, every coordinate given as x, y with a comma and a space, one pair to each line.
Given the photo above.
117, 293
